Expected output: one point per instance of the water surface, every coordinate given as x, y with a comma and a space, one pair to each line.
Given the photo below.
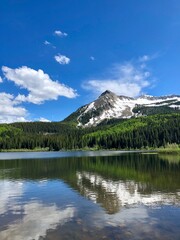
89, 195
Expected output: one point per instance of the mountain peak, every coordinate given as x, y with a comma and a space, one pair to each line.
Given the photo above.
110, 106
107, 92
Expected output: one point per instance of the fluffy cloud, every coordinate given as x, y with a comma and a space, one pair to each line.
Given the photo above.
9, 109
60, 34
40, 86
61, 59
124, 79
1, 79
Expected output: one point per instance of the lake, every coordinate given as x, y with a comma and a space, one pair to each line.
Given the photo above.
89, 195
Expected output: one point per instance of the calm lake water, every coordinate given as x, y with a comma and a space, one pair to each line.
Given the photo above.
89, 195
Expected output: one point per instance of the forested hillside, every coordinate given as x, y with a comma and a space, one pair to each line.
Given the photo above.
142, 132
135, 133
54, 136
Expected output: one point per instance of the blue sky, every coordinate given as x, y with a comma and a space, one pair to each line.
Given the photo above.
56, 56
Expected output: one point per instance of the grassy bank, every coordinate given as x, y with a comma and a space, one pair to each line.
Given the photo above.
169, 149
26, 150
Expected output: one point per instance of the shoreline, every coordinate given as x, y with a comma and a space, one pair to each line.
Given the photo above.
146, 151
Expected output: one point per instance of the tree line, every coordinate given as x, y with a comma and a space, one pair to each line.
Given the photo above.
150, 131
142, 132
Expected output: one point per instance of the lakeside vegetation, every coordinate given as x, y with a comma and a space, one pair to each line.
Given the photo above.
170, 149
160, 132
26, 150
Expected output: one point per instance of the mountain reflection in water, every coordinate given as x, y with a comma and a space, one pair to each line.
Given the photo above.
40, 195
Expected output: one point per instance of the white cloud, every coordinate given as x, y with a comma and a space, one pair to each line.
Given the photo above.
147, 58
61, 59
9, 109
144, 58
124, 79
47, 43
92, 58
41, 119
60, 34
1, 79
40, 86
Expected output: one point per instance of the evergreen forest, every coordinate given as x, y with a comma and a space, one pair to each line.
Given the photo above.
135, 133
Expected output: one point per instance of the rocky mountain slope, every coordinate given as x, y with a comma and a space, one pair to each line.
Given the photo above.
110, 106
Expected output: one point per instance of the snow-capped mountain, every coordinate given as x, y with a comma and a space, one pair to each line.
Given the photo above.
110, 106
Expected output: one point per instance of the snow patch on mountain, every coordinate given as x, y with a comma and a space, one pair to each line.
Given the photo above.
89, 107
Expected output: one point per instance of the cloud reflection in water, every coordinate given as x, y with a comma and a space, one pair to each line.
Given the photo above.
37, 217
